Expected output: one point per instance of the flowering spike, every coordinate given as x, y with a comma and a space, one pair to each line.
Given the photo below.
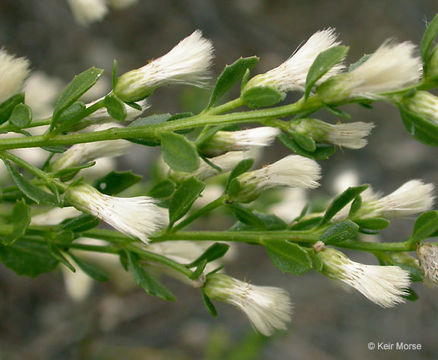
13, 72
291, 75
292, 171
224, 141
137, 216
82, 153
383, 285
349, 135
187, 63
428, 257
268, 308
88, 11
392, 67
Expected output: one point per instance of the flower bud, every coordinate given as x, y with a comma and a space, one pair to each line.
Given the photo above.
224, 141
291, 171
424, 105
187, 63
428, 257
383, 285
13, 72
391, 67
137, 216
268, 308
292, 74
350, 135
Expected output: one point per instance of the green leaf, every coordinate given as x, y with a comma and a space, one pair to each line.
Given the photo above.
150, 120
114, 74
412, 295
425, 225
428, 39
7, 106
21, 116
341, 231
359, 62
179, 153
307, 224
184, 197
322, 64
80, 223
57, 149
163, 189
115, 107
149, 283
242, 167
57, 254
27, 188
376, 223
231, 75
70, 117
246, 216
305, 142
341, 201
215, 251
288, 257
322, 152
75, 89
208, 304
423, 129
21, 221
115, 182
90, 269
199, 270
27, 258
355, 205
338, 112
261, 96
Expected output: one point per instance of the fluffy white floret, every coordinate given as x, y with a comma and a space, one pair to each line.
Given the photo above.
88, 11
136, 216
13, 72
268, 308
428, 258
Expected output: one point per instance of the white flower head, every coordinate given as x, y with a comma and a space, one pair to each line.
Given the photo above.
291, 171
391, 67
136, 216
428, 257
88, 11
13, 72
383, 285
223, 164
80, 154
121, 4
224, 141
349, 135
268, 308
187, 63
291, 75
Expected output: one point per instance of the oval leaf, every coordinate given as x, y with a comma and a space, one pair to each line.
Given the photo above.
184, 197
115, 107
425, 226
21, 220
288, 257
261, 96
344, 230
179, 153
21, 116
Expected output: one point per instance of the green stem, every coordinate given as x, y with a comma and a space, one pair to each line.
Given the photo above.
192, 217
230, 105
35, 123
377, 246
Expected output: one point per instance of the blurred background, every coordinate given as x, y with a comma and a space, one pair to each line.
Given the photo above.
39, 320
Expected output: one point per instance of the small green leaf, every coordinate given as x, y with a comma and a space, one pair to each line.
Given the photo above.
163, 189
425, 225
376, 223
90, 269
428, 39
27, 188
115, 182
423, 129
149, 283
231, 75
115, 107
75, 89
341, 231
215, 251
7, 106
359, 62
341, 201
184, 197
307, 224
114, 74
322, 152
150, 120
199, 270
412, 295
57, 254
208, 304
21, 116
288, 257
305, 142
322, 64
70, 117
21, 221
338, 112
355, 205
27, 258
242, 167
80, 223
261, 96
179, 153
246, 216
